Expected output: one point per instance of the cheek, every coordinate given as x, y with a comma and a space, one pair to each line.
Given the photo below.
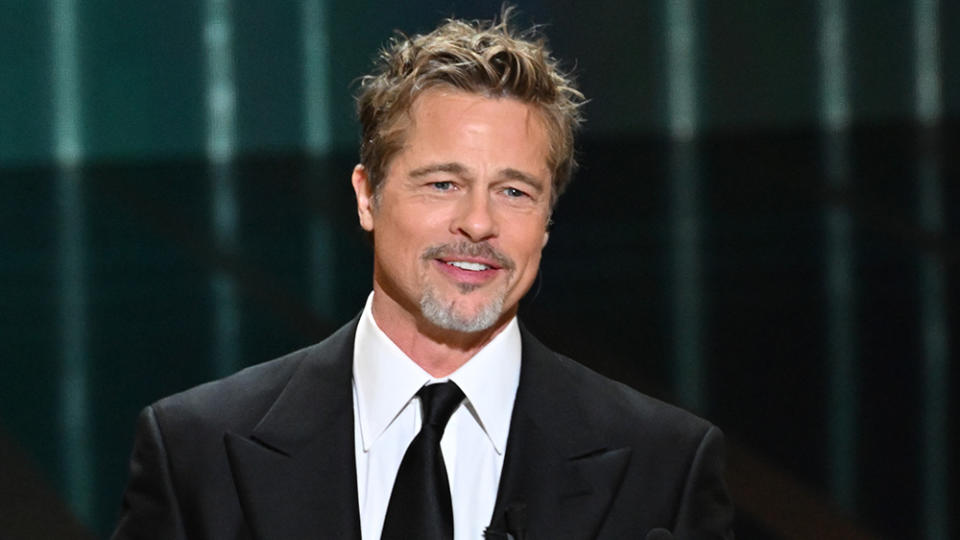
534, 264
401, 239
532, 252
418, 218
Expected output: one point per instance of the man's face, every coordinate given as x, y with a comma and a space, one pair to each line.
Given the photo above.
461, 216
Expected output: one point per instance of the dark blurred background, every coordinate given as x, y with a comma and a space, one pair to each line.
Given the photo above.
762, 230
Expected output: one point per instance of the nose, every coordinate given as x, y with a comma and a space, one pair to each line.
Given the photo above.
475, 218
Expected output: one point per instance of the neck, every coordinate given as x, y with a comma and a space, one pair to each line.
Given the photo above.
437, 350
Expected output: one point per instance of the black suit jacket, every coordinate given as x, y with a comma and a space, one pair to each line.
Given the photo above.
268, 453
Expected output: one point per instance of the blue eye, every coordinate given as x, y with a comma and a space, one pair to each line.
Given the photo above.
514, 192
443, 186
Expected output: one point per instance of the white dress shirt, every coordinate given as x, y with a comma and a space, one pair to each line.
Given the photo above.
387, 416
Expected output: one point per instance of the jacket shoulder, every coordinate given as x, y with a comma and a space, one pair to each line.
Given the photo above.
616, 409
233, 399
237, 402
611, 402
672, 474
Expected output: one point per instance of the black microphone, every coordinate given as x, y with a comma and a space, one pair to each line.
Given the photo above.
659, 534
515, 516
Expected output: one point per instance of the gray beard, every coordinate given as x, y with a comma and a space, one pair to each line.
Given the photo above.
445, 315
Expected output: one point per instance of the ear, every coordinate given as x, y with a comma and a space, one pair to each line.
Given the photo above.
546, 230
364, 192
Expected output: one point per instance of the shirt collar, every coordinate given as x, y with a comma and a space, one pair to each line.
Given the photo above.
386, 380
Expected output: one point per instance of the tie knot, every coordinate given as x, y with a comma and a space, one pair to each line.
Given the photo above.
439, 401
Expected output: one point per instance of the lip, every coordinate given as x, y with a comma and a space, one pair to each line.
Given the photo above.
473, 277
490, 263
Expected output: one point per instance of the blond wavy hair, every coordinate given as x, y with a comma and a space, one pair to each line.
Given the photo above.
480, 57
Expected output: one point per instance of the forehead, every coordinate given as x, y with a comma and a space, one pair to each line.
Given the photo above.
497, 129
446, 102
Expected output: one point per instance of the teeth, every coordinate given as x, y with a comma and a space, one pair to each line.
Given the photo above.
472, 266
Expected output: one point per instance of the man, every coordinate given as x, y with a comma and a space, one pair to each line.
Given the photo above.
467, 144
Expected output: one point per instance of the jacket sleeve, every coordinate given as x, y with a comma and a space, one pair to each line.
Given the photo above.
150, 508
706, 509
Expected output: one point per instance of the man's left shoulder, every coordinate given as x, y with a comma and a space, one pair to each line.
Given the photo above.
612, 407
612, 402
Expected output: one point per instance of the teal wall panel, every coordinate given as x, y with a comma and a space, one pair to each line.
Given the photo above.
881, 60
603, 43
28, 324
269, 76
357, 31
949, 22
25, 90
142, 79
759, 64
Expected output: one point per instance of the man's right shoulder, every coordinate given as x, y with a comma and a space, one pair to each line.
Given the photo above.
237, 402
229, 399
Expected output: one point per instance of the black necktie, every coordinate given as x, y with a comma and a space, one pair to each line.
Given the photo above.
420, 507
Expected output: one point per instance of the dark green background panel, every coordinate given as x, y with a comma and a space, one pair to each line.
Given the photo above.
25, 92
141, 79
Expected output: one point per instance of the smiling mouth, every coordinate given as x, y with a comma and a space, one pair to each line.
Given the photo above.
469, 257
471, 266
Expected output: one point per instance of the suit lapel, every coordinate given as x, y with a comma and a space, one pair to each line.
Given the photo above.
557, 470
296, 472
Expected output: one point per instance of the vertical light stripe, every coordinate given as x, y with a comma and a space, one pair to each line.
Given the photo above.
689, 371
226, 308
841, 346
933, 309
66, 83
689, 376
322, 238
840, 262
318, 139
316, 76
834, 94
681, 68
76, 432
936, 354
929, 100
76, 447
221, 89
221, 148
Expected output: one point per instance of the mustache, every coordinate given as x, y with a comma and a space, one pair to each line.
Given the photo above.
469, 249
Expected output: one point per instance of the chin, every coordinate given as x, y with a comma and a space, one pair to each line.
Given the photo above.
446, 314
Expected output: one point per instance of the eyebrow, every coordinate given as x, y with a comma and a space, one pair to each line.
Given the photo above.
460, 170
520, 176
452, 168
